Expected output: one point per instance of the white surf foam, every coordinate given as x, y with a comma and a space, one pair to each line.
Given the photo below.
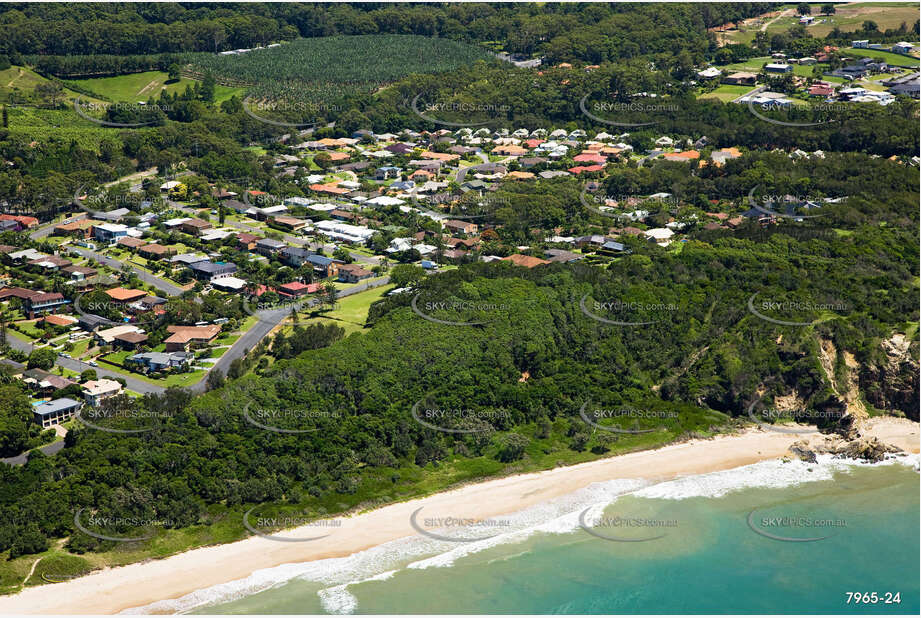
338, 600
770, 474
558, 516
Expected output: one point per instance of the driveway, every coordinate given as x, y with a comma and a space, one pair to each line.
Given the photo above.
138, 386
21, 458
164, 286
271, 318
288, 238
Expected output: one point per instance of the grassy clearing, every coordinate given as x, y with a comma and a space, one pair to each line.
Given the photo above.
143, 86
351, 313
727, 92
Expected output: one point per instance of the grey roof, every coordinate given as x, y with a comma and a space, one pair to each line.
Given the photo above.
212, 267
91, 320
160, 358
112, 215
296, 251
55, 406
270, 242
320, 260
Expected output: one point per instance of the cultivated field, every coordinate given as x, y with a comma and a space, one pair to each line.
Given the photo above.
329, 68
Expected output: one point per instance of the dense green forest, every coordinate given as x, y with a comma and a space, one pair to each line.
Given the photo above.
520, 377
409, 405
590, 32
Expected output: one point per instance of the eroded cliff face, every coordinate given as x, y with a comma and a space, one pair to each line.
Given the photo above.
893, 384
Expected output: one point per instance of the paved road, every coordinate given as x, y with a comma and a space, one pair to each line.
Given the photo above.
288, 238
164, 286
139, 386
48, 449
269, 319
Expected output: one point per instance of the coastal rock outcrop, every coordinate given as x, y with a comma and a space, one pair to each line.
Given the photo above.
892, 383
871, 449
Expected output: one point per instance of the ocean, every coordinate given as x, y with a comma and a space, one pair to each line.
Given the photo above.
773, 537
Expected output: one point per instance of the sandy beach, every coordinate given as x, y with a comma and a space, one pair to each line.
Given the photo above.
113, 590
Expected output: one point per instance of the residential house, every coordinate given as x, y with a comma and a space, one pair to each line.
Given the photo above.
455, 256
96, 391
194, 226
246, 242
291, 223
50, 263
109, 233
387, 172
158, 361
778, 67
82, 228
460, 227
269, 246
59, 320
130, 340
741, 78
130, 242
295, 256
719, 157
107, 336
79, 273
563, 256
124, 295
323, 266
43, 302
209, 271
51, 413
25, 222
183, 337
44, 383
525, 260
296, 289
228, 284
154, 251
344, 232
353, 273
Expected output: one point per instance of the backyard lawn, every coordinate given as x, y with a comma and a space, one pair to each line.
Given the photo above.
727, 92
350, 313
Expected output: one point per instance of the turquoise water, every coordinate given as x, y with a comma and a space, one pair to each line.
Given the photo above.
704, 556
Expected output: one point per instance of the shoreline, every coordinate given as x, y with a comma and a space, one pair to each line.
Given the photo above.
113, 590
